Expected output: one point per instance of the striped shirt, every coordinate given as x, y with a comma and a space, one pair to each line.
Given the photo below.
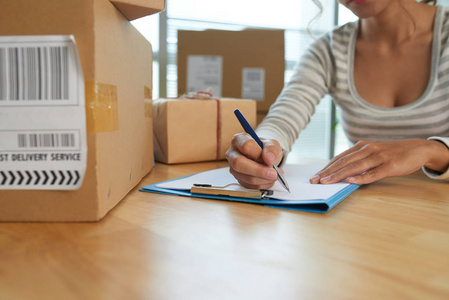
327, 68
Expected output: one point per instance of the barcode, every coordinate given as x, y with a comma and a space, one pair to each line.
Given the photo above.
46, 140
34, 73
253, 75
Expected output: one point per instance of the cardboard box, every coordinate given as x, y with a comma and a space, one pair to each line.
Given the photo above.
114, 55
197, 130
134, 9
246, 64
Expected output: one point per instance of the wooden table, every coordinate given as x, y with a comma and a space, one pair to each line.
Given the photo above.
387, 240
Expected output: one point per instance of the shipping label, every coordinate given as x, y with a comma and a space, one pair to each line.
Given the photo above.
205, 72
253, 83
42, 114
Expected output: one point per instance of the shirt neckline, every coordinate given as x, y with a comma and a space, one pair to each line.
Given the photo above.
433, 69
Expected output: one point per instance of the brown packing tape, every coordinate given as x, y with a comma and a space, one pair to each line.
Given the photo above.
148, 95
101, 107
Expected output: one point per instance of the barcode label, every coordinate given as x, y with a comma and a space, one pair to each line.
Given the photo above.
3, 72
43, 142
205, 72
253, 76
253, 83
30, 140
46, 140
34, 73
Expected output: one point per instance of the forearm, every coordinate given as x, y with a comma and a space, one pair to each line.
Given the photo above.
292, 111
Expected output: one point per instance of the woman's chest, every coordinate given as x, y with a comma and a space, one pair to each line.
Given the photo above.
393, 78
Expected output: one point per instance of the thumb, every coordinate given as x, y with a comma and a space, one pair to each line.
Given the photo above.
272, 153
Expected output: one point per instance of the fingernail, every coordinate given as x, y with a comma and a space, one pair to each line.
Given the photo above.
350, 180
271, 174
271, 156
315, 179
325, 179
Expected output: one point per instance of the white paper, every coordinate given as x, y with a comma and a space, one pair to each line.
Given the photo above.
42, 114
253, 83
205, 72
297, 177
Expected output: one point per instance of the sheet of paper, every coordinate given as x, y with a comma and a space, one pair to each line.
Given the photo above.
297, 177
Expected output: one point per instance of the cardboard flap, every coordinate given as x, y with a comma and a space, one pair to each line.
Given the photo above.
135, 9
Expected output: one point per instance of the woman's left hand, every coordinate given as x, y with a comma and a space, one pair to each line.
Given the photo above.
367, 162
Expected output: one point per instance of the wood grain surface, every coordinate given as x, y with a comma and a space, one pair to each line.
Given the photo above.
387, 240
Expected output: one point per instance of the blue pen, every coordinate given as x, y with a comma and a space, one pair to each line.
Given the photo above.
248, 129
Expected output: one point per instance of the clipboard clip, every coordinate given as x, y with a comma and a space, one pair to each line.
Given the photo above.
230, 190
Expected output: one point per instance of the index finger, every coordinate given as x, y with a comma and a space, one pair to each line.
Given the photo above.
338, 162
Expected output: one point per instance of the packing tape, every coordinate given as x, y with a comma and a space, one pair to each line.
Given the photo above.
148, 95
101, 107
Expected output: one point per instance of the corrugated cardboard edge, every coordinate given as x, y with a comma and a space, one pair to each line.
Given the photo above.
133, 150
159, 127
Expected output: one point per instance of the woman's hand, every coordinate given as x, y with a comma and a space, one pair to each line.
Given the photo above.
252, 166
367, 162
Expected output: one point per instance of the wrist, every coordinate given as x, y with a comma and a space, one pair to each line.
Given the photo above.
438, 155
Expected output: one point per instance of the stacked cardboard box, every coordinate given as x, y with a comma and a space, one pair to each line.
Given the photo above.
247, 64
115, 59
193, 130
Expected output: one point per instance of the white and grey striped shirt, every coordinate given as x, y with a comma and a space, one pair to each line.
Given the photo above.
327, 68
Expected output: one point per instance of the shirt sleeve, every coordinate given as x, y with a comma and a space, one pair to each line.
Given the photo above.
294, 107
433, 174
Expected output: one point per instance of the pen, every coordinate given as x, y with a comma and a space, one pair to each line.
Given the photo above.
253, 134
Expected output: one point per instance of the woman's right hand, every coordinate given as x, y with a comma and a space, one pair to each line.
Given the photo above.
252, 166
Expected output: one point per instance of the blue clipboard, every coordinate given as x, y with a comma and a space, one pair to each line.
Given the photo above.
317, 206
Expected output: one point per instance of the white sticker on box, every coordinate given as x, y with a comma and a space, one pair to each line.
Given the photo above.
205, 72
43, 142
253, 83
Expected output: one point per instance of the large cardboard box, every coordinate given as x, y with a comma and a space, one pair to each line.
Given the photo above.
247, 64
197, 130
116, 61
